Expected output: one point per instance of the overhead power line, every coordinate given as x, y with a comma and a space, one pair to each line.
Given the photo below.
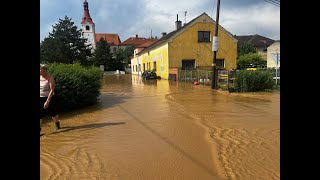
273, 2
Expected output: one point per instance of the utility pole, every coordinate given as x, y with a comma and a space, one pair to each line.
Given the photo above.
277, 70
214, 84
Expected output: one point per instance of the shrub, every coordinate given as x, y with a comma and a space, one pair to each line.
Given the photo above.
253, 58
76, 86
251, 81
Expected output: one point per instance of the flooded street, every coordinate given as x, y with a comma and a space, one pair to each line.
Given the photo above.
160, 129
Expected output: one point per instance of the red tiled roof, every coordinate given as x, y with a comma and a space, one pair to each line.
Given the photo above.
148, 43
112, 39
86, 15
136, 41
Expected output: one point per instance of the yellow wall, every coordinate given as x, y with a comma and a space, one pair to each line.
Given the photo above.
160, 56
186, 46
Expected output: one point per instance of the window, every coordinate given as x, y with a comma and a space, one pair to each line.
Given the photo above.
188, 64
144, 66
136, 68
114, 49
132, 68
139, 67
155, 65
203, 36
220, 63
87, 28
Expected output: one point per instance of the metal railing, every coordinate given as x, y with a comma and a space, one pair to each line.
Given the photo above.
225, 78
202, 76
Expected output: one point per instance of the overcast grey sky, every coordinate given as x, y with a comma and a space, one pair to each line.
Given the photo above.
130, 17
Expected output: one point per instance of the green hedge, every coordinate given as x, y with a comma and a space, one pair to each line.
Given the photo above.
252, 81
76, 86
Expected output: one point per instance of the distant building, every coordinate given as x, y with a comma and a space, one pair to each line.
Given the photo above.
88, 31
88, 26
273, 50
136, 41
261, 43
112, 40
136, 61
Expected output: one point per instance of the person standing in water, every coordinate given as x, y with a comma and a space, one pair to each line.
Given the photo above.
47, 97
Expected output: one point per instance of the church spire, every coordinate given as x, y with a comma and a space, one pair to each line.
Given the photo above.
86, 15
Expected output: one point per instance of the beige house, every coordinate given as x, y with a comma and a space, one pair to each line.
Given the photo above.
272, 52
136, 61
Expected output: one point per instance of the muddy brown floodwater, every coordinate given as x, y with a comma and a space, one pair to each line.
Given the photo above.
159, 129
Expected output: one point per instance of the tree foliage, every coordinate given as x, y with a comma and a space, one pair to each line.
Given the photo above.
252, 81
102, 54
127, 54
247, 48
65, 44
250, 59
121, 59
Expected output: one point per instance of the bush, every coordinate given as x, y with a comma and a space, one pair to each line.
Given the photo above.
76, 86
251, 81
253, 58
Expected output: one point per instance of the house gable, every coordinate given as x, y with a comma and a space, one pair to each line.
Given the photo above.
169, 37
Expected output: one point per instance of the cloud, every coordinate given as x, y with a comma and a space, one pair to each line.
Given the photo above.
262, 19
128, 18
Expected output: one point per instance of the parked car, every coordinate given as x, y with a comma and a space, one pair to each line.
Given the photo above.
149, 75
251, 67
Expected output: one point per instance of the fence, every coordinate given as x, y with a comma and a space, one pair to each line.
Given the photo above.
225, 78
204, 77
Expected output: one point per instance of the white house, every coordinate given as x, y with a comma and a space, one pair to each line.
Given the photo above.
136, 61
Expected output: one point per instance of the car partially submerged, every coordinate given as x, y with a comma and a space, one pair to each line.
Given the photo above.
149, 75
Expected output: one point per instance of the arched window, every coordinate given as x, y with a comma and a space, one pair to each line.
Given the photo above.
87, 28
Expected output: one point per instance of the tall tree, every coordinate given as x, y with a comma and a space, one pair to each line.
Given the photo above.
102, 54
65, 44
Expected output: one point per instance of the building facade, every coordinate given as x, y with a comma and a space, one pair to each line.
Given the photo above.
190, 47
273, 52
136, 61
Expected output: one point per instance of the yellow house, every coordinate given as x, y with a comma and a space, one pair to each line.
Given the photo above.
190, 47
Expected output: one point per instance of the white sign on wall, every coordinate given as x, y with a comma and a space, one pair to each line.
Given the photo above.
215, 43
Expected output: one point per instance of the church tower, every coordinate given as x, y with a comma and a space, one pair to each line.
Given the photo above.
87, 26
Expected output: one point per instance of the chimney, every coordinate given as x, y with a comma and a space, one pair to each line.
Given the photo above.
136, 35
178, 23
163, 34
